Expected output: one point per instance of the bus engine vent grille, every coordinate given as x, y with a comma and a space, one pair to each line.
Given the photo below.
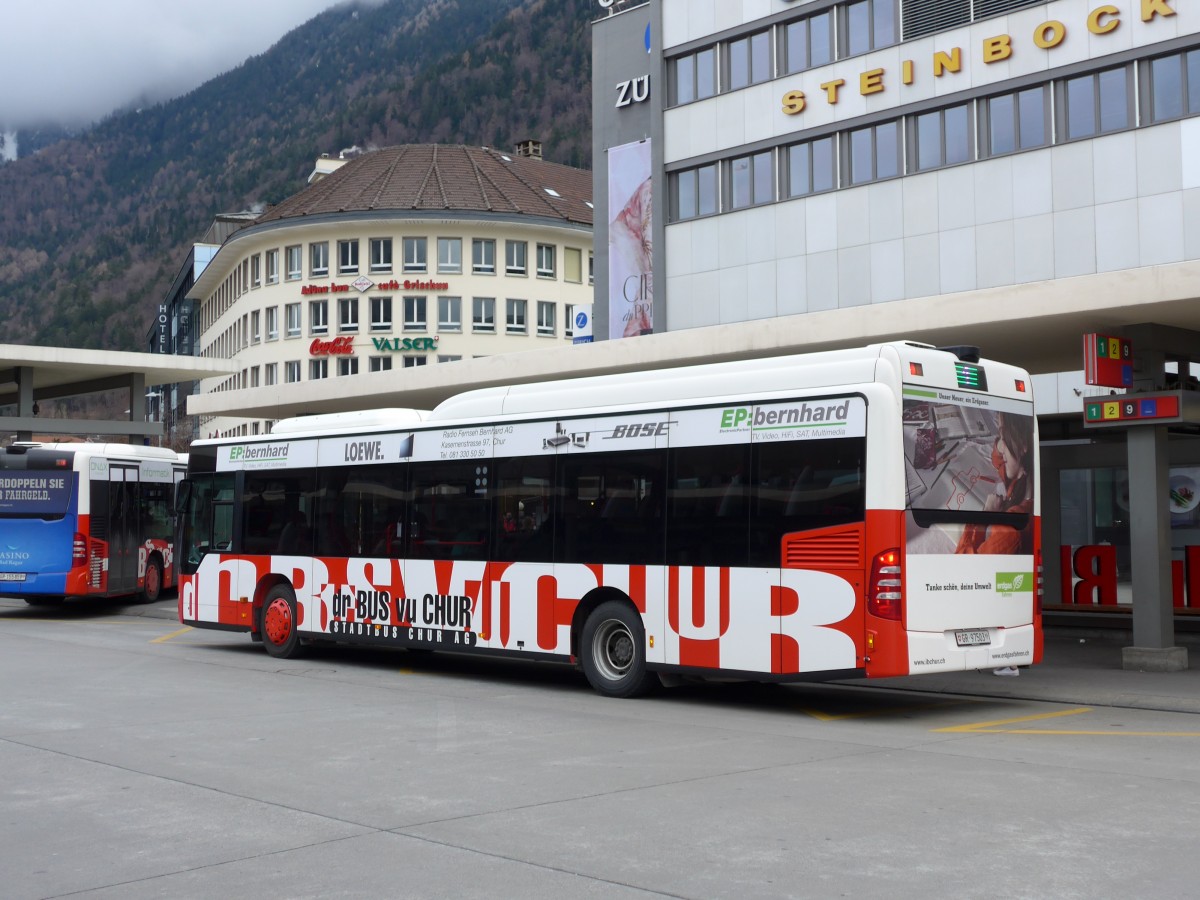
836, 550
97, 551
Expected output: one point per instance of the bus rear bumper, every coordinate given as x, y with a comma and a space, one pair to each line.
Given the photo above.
952, 651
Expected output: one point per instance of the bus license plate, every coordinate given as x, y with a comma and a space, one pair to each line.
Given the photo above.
12, 576
973, 638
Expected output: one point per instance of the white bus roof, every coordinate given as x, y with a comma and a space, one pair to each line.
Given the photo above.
389, 419
94, 449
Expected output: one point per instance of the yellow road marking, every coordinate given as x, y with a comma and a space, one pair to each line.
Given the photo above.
174, 634
996, 727
831, 717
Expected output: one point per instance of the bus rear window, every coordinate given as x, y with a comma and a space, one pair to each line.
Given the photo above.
968, 462
36, 494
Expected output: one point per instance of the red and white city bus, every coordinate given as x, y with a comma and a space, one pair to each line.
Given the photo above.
86, 520
856, 512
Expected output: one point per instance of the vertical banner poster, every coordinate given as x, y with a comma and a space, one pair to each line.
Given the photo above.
630, 241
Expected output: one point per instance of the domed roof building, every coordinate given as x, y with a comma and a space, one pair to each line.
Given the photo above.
401, 257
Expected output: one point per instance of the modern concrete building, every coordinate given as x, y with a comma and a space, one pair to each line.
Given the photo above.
399, 258
1005, 173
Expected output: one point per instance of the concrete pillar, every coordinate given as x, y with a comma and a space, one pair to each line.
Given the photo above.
1051, 493
24, 398
137, 402
1150, 550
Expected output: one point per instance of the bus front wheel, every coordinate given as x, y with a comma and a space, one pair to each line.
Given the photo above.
613, 651
279, 627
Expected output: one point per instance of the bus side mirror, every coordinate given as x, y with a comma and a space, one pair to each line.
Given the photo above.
183, 496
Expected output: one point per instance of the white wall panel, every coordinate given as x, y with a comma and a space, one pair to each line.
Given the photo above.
995, 263
958, 260
1117, 235
854, 276
1033, 248
1074, 242
1160, 228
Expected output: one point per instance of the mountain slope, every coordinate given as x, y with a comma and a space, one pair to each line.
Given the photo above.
92, 229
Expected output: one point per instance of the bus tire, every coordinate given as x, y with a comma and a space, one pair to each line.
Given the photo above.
612, 651
280, 634
152, 583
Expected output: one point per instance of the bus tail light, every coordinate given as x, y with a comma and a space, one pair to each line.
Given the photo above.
1039, 581
885, 591
79, 548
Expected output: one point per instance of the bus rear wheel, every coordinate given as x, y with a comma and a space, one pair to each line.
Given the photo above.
613, 651
152, 585
279, 625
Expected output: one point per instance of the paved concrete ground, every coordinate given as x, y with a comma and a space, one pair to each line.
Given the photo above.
141, 759
1080, 665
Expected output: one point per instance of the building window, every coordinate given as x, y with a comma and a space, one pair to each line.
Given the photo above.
318, 368
693, 77
514, 257
808, 43
695, 193
347, 257
294, 270
411, 362
348, 314
451, 358
293, 319
483, 314
254, 376
272, 323
875, 153
449, 256
811, 167
751, 180
545, 318
867, 25
748, 60
545, 261
1174, 86
318, 259
514, 316
272, 267
923, 17
414, 254
569, 320
318, 317
255, 327
291, 371
381, 313
347, 365
1097, 103
379, 364
414, 313
381, 254
271, 374
591, 268
573, 265
449, 314
941, 138
1017, 121
483, 256
256, 270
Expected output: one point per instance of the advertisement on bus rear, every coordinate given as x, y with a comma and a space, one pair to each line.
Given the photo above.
970, 506
43, 494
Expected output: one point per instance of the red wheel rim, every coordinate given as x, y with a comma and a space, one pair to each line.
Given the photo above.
277, 621
152, 580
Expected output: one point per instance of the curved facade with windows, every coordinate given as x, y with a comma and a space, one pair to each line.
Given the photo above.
402, 257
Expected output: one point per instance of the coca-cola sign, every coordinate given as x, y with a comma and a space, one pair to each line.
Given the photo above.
339, 346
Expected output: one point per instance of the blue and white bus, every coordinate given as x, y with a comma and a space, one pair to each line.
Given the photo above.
86, 520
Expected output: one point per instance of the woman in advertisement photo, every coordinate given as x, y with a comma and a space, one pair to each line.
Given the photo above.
1011, 458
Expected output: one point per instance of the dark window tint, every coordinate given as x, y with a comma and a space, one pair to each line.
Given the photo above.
612, 509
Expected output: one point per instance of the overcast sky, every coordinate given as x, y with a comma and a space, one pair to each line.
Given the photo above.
75, 61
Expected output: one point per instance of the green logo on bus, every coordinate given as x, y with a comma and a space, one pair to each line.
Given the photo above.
1014, 582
